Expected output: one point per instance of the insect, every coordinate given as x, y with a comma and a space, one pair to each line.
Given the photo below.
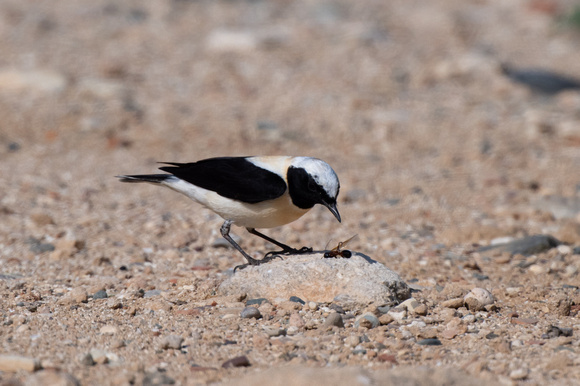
336, 252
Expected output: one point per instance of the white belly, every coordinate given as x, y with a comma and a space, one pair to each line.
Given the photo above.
266, 214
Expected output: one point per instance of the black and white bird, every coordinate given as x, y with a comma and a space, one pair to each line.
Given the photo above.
253, 192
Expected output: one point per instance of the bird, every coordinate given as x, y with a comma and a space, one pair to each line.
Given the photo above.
253, 192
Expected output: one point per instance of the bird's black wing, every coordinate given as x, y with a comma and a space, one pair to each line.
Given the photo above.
231, 177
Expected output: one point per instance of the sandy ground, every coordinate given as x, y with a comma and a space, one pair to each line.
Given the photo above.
437, 151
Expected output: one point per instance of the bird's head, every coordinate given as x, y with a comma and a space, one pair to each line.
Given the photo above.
312, 181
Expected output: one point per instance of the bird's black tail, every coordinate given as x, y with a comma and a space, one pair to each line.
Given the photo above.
152, 178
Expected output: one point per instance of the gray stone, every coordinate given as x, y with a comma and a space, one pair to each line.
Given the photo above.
318, 279
171, 342
367, 320
102, 294
334, 319
251, 312
526, 246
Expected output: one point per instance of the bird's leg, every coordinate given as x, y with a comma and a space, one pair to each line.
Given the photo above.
286, 250
225, 231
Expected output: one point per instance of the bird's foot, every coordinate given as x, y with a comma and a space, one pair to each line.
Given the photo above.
255, 262
288, 251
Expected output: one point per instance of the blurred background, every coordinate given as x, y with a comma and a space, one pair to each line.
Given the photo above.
433, 114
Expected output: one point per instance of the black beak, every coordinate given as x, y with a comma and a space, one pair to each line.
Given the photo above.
332, 208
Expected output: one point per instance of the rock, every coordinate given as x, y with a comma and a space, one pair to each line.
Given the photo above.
367, 320
333, 319
53, 378
114, 304
296, 320
296, 299
386, 319
312, 306
274, 331
13, 363
108, 329
75, 296
315, 278
101, 294
257, 302
251, 312
87, 360
414, 307
99, 356
39, 81
554, 332
171, 342
157, 378
241, 361
519, 374
398, 313
526, 246
561, 306
453, 303
477, 299
429, 342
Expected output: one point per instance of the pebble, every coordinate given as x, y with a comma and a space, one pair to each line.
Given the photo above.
296, 299
367, 320
429, 342
241, 361
526, 246
386, 319
398, 313
99, 356
274, 331
257, 301
478, 298
108, 329
13, 363
87, 360
251, 312
411, 305
519, 374
469, 318
102, 294
157, 378
114, 304
334, 319
313, 306
296, 321
453, 303
171, 342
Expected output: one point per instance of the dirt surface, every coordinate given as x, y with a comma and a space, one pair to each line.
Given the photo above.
437, 151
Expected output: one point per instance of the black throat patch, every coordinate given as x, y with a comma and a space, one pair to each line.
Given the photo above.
303, 189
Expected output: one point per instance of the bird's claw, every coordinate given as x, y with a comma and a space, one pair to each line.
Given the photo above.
289, 251
254, 262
